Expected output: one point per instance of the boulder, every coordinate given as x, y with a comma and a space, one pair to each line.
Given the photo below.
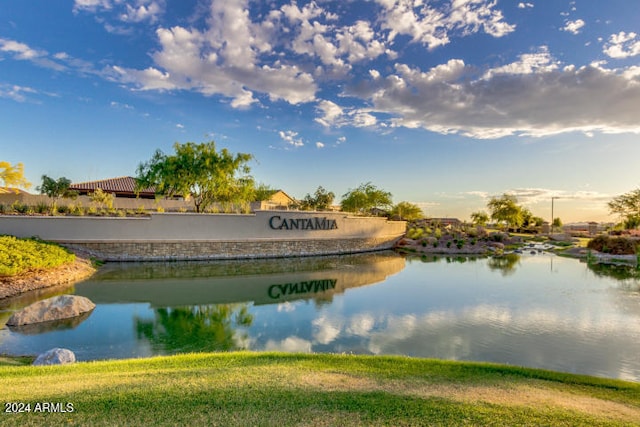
56, 308
55, 356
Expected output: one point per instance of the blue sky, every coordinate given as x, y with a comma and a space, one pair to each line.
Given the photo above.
443, 103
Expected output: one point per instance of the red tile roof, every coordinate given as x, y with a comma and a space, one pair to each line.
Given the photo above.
121, 185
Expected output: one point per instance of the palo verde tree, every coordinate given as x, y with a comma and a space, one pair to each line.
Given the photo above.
480, 218
12, 176
365, 198
321, 200
505, 209
627, 206
200, 172
56, 188
407, 211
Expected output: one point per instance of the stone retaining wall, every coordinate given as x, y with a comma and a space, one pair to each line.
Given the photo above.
199, 250
265, 234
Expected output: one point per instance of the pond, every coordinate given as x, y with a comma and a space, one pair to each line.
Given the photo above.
537, 310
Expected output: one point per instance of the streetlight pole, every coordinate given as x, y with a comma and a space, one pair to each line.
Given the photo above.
552, 219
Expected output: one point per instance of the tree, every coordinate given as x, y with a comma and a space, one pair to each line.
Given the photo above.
102, 198
407, 211
506, 209
480, 218
200, 172
321, 200
557, 222
56, 188
13, 176
627, 206
263, 192
365, 198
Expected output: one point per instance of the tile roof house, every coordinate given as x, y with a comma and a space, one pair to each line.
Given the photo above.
120, 187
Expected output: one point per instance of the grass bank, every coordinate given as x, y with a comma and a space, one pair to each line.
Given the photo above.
19, 256
318, 390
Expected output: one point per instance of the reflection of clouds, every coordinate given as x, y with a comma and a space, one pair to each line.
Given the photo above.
326, 330
584, 341
290, 345
286, 307
361, 324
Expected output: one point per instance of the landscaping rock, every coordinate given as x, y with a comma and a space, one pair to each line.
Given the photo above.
55, 356
56, 308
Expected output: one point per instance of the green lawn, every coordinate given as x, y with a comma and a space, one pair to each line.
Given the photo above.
315, 390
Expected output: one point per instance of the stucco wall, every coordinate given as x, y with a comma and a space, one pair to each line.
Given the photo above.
210, 236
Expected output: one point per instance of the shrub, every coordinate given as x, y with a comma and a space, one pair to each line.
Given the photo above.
614, 245
64, 209
20, 208
449, 244
22, 255
42, 208
3, 208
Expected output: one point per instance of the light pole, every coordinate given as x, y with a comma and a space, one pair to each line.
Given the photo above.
552, 219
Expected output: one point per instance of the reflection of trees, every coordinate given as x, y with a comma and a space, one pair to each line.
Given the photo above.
625, 273
196, 328
506, 264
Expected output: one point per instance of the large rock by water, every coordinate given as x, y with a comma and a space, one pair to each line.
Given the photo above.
55, 356
56, 308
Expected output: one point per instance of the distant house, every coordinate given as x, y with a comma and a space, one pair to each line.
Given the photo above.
278, 200
120, 187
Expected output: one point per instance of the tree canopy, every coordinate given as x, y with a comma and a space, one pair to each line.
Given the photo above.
321, 200
365, 198
407, 211
56, 188
200, 172
506, 209
13, 176
480, 218
627, 206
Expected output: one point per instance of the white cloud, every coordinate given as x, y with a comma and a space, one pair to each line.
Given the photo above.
224, 59
622, 45
133, 11
290, 137
433, 27
15, 92
574, 27
143, 11
91, 5
530, 196
330, 111
23, 52
319, 144
525, 5
532, 96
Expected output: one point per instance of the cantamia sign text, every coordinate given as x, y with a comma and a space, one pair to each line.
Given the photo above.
314, 223
307, 287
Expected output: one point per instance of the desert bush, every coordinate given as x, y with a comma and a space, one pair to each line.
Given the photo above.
41, 208
20, 208
614, 245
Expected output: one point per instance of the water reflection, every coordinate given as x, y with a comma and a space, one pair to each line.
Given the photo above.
193, 329
192, 284
506, 264
539, 310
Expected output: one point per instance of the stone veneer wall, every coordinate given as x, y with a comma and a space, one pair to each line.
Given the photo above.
209, 236
202, 250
